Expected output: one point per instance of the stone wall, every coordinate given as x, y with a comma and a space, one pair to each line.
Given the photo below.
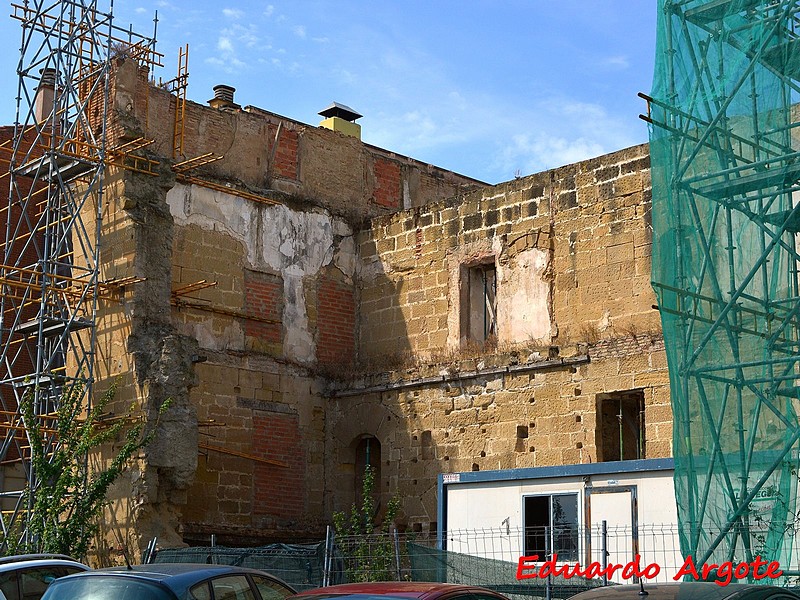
575, 327
306, 256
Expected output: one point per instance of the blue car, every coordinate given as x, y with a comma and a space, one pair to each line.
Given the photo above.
170, 581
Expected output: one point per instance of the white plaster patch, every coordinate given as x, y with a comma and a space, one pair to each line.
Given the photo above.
232, 337
296, 244
522, 298
345, 257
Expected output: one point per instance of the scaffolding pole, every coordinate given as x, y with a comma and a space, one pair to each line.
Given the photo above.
50, 273
726, 174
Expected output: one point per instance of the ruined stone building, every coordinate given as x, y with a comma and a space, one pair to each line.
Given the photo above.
311, 303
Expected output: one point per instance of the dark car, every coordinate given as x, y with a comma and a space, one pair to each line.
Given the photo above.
689, 590
387, 590
26, 576
170, 581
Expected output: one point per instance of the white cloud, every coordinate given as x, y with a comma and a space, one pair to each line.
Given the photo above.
616, 62
232, 13
269, 10
299, 31
224, 45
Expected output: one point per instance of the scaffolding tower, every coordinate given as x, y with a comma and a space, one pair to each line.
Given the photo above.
726, 177
58, 162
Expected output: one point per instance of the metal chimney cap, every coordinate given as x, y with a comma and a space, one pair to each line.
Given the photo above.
340, 110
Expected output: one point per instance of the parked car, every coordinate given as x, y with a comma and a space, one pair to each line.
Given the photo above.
387, 590
688, 590
26, 576
170, 581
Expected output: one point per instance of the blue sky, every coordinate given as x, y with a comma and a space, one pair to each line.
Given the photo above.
487, 88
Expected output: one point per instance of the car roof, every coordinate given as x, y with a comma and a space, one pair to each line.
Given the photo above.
410, 589
176, 576
686, 590
28, 561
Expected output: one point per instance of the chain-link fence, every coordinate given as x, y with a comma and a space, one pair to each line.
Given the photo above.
486, 557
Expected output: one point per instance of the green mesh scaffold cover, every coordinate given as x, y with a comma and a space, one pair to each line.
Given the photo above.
725, 169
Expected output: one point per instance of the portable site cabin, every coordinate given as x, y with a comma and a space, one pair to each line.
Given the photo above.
562, 510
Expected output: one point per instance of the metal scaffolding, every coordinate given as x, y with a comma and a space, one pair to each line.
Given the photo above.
726, 171
50, 276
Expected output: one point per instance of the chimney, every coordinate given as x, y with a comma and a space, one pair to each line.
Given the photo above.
223, 98
341, 118
45, 95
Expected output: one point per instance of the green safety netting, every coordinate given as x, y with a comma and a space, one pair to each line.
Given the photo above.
725, 169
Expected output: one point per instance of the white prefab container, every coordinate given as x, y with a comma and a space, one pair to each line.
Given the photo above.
574, 513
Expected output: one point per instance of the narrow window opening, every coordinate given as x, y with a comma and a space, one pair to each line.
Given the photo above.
620, 426
479, 305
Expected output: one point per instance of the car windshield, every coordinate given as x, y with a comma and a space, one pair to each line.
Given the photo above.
106, 588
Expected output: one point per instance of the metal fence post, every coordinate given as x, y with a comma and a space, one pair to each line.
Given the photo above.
326, 575
548, 586
604, 549
397, 552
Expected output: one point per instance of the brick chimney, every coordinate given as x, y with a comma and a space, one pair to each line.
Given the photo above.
45, 95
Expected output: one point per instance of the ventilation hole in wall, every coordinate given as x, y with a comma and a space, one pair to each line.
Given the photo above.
483, 454
446, 434
237, 389
413, 460
414, 438
531, 449
416, 527
414, 482
522, 432
462, 430
578, 418
531, 400
577, 391
388, 418
416, 394
573, 370
579, 445
447, 458
532, 424
483, 430
475, 467
447, 411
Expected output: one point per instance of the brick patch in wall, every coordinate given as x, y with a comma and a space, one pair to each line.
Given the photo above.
387, 183
263, 297
336, 318
285, 162
278, 491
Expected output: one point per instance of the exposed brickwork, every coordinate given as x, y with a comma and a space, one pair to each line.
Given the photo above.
286, 162
387, 183
278, 491
263, 297
336, 322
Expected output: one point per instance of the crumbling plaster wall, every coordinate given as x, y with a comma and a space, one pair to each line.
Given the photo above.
256, 385
572, 252
139, 347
